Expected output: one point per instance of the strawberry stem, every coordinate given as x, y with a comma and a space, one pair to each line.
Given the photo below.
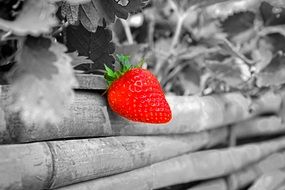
124, 61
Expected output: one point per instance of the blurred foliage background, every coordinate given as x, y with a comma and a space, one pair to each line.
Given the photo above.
194, 47
209, 47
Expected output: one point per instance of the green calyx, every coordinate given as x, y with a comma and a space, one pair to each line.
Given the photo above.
124, 61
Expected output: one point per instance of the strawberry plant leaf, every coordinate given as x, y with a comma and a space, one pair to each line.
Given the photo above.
46, 89
271, 15
35, 18
230, 72
94, 13
70, 12
97, 46
78, 60
273, 74
238, 23
90, 17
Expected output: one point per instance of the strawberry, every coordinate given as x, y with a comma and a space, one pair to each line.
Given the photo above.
136, 94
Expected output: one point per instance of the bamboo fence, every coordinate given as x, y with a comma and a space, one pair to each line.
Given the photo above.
190, 114
93, 148
189, 167
244, 177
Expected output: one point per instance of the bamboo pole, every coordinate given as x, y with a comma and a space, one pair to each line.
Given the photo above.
246, 176
269, 181
59, 163
27, 166
259, 126
90, 116
186, 168
119, 154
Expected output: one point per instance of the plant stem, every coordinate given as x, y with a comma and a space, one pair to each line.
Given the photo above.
177, 33
127, 31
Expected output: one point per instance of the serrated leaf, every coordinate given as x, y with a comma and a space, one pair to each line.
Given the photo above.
229, 71
36, 17
78, 60
70, 12
90, 17
94, 13
97, 46
273, 74
42, 99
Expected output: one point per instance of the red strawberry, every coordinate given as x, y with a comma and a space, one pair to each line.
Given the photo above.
135, 94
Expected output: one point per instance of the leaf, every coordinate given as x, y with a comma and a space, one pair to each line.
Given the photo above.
238, 23
136, 53
41, 95
229, 71
94, 13
70, 12
273, 74
78, 60
271, 15
36, 17
90, 17
97, 46
267, 47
